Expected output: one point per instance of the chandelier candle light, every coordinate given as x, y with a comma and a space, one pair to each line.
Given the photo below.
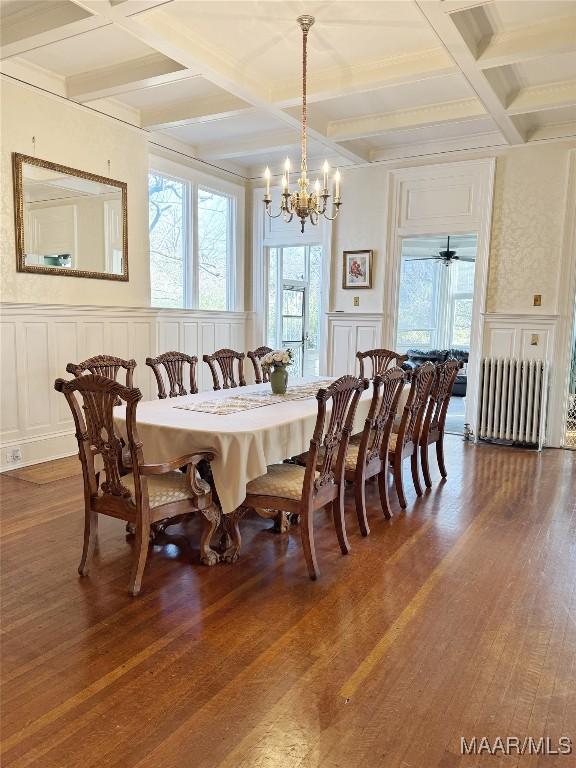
303, 203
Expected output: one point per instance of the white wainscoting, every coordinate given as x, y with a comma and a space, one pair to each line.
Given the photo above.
513, 335
348, 333
37, 341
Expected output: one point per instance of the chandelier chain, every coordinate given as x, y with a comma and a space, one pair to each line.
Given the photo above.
304, 97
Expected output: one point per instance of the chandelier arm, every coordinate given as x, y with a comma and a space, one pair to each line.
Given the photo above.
273, 215
331, 218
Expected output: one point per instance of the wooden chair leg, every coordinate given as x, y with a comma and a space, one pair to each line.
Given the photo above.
425, 465
360, 500
440, 456
398, 481
307, 533
340, 523
140, 554
90, 537
415, 473
383, 491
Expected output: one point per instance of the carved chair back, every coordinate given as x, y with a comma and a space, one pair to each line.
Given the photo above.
104, 365
439, 401
174, 364
225, 358
260, 374
412, 417
329, 442
381, 360
380, 419
92, 398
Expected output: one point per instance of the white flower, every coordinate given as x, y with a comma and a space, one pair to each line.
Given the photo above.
278, 358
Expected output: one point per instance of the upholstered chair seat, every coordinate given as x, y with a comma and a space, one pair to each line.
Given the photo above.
284, 480
164, 489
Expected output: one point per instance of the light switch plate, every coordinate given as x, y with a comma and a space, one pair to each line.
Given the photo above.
535, 339
537, 299
356, 301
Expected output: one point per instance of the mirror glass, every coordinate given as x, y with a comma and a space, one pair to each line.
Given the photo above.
70, 221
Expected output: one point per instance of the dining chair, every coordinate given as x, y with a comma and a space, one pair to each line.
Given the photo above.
405, 442
104, 365
174, 364
225, 359
435, 418
381, 360
150, 493
302, 490
367, 455
260, 374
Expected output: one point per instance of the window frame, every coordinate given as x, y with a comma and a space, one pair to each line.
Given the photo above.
193, 181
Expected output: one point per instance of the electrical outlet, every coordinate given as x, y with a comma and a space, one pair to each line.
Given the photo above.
356, 301
13, 455
537, 299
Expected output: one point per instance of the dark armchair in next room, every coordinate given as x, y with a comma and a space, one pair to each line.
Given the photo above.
416, 357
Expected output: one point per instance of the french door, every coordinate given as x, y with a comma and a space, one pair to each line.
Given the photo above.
294, 297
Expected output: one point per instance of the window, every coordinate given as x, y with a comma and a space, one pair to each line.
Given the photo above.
214, 238
417, 308
167, 203
187, 271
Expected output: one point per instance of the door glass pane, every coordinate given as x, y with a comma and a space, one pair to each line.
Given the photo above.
292, 329
312, 360
167, 222
214, 239
417, 302
293, 303
294, 263
272, 309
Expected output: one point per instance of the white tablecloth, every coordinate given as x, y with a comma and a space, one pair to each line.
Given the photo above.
243, 443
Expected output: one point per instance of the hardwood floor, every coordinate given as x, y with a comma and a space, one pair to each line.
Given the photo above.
457, 618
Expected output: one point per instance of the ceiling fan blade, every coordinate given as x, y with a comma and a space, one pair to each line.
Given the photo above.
370, 23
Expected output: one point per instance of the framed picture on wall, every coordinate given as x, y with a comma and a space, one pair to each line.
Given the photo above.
357, 269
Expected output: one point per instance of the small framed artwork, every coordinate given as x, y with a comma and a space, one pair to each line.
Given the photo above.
357, 269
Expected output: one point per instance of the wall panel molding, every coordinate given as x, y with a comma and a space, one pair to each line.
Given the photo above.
37, 340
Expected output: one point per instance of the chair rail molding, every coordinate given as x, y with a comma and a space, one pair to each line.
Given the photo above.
38, 340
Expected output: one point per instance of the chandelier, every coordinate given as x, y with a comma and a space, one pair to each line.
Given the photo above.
303, 203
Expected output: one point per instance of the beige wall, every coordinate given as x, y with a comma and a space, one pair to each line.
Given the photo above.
527, 230
73, 136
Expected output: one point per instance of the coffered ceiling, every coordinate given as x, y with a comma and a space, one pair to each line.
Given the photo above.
388, 79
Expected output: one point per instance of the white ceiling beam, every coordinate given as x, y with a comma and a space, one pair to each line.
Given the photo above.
541, 97
162, 33
458, 49
374, 125
194, 113
367, 77
133, 75
544, 39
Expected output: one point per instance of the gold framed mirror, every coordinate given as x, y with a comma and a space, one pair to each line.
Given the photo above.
69, 222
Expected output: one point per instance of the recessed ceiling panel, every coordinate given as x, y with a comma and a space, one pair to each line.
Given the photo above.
505, 15
394, 98
433, 133
262, 39
250, 125
187, 91
556, 68
96, 49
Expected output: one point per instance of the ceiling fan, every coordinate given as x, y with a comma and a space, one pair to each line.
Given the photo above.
446, 256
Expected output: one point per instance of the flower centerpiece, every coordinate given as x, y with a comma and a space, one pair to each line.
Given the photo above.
277, 362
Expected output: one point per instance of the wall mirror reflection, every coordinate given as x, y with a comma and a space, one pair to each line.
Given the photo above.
69, 222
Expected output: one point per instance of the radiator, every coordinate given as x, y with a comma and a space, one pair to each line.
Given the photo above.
512, 401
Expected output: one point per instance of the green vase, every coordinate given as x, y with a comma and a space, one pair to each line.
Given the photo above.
279, 380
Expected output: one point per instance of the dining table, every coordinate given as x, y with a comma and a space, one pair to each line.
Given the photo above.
245, 429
